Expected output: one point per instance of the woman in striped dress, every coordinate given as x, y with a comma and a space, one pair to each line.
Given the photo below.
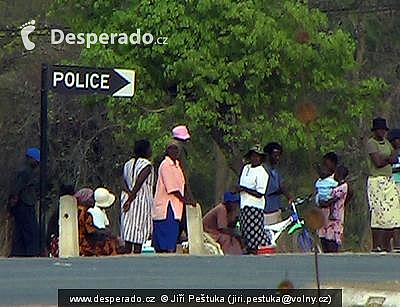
137, 198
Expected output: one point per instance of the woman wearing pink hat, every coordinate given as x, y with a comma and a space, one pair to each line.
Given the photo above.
181, 137
169, 202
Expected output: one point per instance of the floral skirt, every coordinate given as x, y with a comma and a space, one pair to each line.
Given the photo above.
384, 203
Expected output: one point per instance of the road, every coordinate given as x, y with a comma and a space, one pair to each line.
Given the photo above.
34, 281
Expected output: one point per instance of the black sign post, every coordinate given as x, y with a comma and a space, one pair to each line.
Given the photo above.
119, 83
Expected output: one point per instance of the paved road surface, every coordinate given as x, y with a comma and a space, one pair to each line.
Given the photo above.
35, 281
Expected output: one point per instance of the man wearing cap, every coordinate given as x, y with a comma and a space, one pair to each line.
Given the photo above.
219, 222
22, 202
383, 197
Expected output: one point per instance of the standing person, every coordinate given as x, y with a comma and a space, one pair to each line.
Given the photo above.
383, 198
331, 233
137, 198
168, 202
181, 135
22, 202
394, 138
276, 187
219, 222
253, 185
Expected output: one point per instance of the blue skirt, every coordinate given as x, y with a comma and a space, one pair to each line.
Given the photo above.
165, 232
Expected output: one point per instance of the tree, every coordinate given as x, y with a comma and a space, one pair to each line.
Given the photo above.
237, 71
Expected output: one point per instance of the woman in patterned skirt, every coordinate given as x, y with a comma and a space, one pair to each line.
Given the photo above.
253, 185
137, 198
383, 197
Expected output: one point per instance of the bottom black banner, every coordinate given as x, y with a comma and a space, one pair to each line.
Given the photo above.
199, 297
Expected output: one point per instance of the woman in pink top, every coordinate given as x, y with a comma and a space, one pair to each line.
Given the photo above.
168, 202
331, 234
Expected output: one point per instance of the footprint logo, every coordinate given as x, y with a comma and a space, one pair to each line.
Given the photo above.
27, 29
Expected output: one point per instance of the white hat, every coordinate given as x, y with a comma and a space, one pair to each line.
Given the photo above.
103, 198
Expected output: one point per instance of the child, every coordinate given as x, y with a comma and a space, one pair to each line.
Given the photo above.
324, 186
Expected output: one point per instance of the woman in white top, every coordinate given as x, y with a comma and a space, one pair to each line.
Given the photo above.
253, 185
137, 198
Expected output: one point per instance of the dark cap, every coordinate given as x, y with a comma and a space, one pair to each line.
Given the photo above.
33, 153
230, 197
379, 123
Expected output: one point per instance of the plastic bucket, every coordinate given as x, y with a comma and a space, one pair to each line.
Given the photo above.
263, 250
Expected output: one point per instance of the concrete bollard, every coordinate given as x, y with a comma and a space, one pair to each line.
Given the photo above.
194, 222
68, 227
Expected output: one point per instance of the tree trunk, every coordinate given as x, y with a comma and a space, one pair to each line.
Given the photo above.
225, 177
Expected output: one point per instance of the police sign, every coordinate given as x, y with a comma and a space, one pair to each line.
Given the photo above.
74, 80
85, 80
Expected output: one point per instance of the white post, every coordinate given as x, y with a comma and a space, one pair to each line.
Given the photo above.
68, 227
194, 221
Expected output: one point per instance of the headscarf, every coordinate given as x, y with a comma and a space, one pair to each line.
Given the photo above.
85, 197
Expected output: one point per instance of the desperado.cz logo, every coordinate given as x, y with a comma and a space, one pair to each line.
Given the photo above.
27, 29
58, 36
88, 39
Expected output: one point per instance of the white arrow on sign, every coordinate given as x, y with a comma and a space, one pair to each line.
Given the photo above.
129, 89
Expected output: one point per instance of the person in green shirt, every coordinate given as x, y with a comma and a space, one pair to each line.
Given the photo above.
383, 197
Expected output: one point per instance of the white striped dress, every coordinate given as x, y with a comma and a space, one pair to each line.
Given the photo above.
136, 223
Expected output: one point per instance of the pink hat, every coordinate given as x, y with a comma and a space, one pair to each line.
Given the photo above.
181, 133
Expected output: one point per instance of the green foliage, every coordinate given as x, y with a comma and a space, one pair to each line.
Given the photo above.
232, 70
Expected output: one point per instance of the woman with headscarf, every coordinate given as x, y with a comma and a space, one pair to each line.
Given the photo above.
85, 200
383, 197
137, 198
253, 186
168, 202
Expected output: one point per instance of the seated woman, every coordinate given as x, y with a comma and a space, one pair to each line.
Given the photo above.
95, 237
219, 222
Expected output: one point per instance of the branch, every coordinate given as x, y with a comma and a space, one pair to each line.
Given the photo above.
160, 110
